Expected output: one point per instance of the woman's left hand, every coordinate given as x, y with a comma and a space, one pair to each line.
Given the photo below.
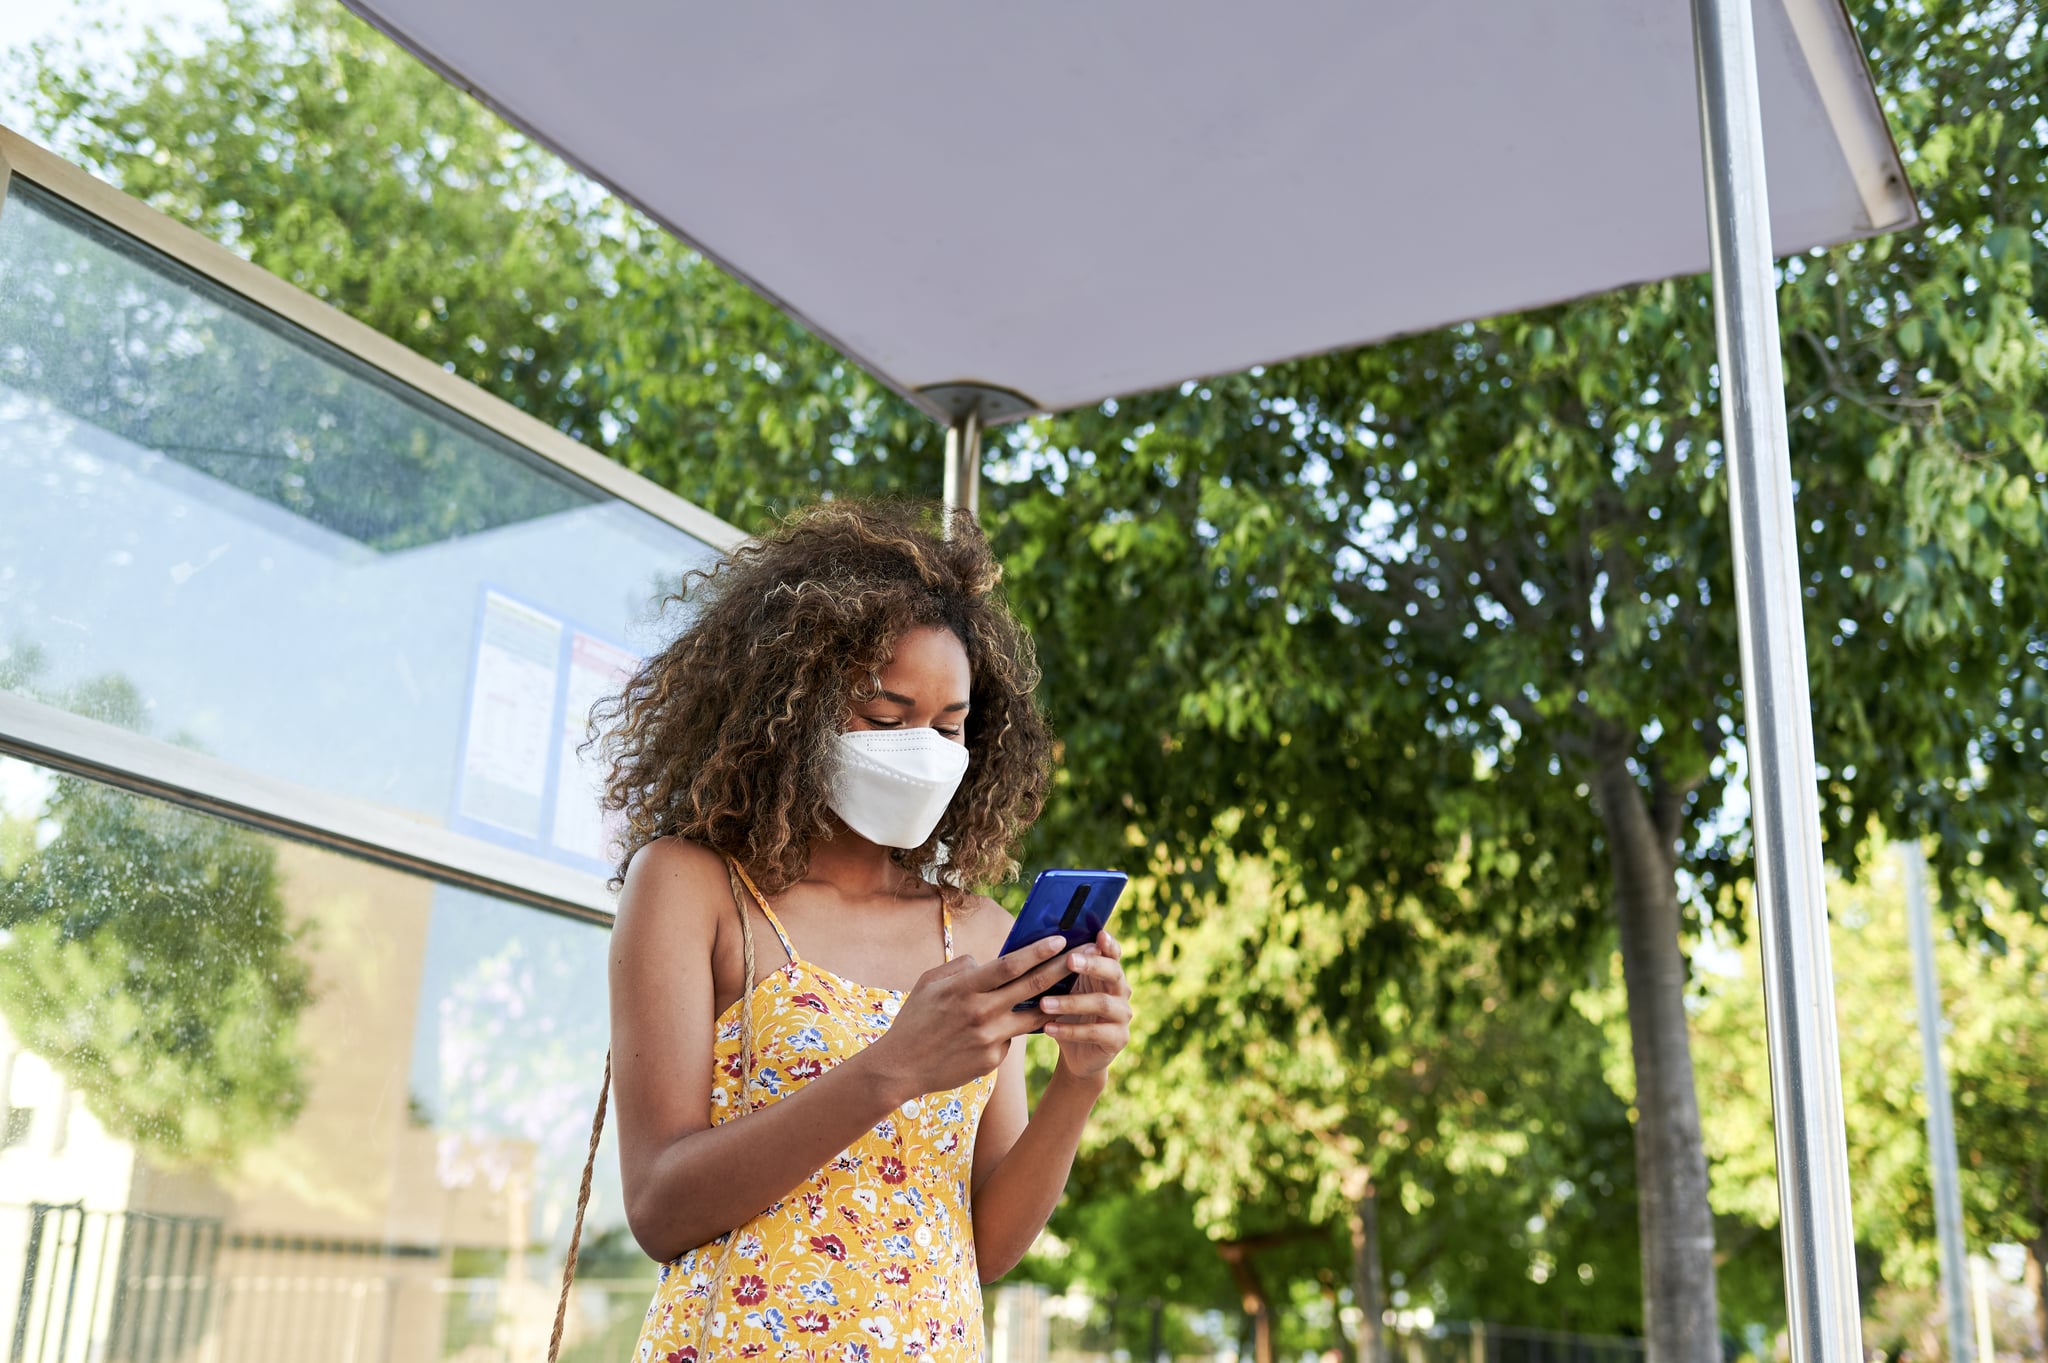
1092, 1023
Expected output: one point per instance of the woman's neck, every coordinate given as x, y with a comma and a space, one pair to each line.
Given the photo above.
858, 869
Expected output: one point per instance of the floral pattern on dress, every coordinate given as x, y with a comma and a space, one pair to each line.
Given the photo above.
871, 1259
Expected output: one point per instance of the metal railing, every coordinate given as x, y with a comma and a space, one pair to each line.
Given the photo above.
113, 1286
139, 1287
1029, 1325
1458, 1341
135, 1287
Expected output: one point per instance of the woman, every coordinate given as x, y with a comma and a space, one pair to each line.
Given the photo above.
809, 1013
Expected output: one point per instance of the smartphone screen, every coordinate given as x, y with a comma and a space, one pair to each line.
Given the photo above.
1072, 904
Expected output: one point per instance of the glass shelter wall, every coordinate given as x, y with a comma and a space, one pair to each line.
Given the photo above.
268, 1101
227, 533
260, 1098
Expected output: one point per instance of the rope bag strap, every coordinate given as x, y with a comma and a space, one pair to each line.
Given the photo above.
582, 1201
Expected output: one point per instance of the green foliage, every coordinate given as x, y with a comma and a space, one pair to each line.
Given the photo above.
310, 144
145, 954
177, 368
315, 148
1995, 1002
1509, 538
147, 958
1122, 1237
719, 396
1292, 606
1500, 1154
1129, 1246
1360, 613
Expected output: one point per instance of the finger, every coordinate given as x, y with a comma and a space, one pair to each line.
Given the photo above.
1109, 1035
1004, 969
1022, 1022
1100, 974
1109, 946
959, 965
1088, 1007
1036, 982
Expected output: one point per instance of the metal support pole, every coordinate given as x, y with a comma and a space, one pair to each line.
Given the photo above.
963, 465
1941, 1125
1987, 1347
1799, 998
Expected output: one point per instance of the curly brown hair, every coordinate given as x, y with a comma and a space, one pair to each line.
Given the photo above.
727, 736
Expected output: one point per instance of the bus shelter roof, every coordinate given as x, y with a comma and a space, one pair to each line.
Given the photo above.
1070, 202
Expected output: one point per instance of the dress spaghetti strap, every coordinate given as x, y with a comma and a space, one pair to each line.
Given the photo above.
946, 925
788, 948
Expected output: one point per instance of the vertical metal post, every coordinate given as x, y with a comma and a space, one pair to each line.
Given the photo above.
963, 465
1941, 1126
38, 1215
1981, 1290
74, 1214
1806, 1080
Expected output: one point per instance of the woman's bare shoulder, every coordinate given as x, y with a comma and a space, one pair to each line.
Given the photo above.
674, 890
980, 927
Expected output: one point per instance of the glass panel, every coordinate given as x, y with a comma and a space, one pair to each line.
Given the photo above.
268, 1102
222, 531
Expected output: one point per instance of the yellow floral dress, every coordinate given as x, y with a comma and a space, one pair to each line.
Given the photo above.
871, 1259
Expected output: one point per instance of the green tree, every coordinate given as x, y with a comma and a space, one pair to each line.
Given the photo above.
1517, 528
717, 395
1995, 1003
308, 143
315, 148
180, 371
1476, 1139
147, 958
145, 953
1138, 1247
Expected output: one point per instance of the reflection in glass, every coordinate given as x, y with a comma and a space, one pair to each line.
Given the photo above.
264, 1101
288, 555
148, 963
110, 334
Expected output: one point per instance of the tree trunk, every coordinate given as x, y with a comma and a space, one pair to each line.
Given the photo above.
1365, 1265
1680, 1318
2037, 1278
1238, 1256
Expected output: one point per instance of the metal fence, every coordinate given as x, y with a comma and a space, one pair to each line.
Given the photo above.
135, 1287
1478, 1342
114, 1287
1029, 1325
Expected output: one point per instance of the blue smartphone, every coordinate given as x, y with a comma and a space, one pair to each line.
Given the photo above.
1072, 904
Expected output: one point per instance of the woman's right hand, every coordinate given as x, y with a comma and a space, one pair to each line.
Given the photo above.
958, 1022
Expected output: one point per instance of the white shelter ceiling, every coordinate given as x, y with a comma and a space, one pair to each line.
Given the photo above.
1077, 201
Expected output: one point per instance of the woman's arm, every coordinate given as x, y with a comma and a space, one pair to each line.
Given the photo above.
1016, 1199
687, 1181
1022, 1159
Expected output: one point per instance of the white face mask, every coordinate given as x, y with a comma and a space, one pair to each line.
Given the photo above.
893, 785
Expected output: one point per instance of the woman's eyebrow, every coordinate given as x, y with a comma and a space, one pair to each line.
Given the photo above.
906, 700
